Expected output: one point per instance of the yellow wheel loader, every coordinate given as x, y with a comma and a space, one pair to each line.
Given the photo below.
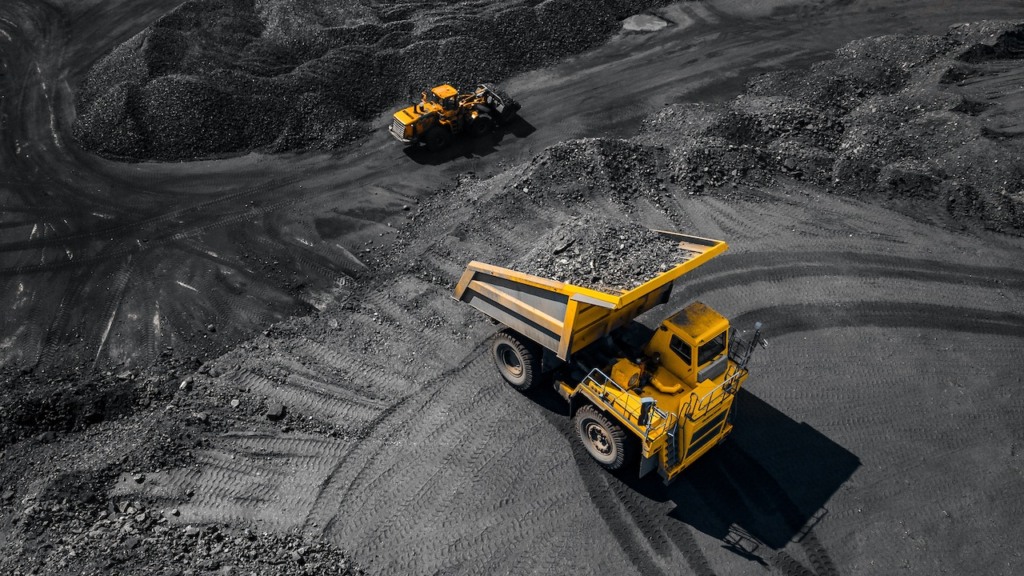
665, 402
444, 113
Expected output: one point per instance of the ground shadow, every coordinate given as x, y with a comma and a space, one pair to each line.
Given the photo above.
469, 147
767, 484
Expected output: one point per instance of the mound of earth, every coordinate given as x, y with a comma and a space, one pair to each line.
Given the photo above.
227, 76
580, 171
912, 119
601, 253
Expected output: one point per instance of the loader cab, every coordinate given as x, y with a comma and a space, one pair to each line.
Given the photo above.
693, 344
443, 96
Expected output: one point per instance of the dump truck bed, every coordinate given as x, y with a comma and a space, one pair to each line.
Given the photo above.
563, 317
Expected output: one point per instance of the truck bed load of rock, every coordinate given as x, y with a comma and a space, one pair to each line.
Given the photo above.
601, 254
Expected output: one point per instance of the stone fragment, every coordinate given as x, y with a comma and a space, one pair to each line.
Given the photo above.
275, 411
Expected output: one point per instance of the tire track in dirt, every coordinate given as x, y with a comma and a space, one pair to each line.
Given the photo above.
458, 409
622, 523
738, 269
790, 318
250, 478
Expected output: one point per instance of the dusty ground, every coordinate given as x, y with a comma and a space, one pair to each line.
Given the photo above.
880, 432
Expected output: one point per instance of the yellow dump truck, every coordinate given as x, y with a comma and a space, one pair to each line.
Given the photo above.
666, 402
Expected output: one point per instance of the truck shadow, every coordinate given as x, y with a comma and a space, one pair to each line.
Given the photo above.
468, 147
767, 485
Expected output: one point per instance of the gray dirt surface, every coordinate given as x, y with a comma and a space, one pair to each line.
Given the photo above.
601, 253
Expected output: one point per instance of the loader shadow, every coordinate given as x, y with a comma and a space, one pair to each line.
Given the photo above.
467, 147
767, 484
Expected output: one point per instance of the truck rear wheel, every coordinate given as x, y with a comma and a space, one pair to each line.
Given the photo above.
605, 440
517, 359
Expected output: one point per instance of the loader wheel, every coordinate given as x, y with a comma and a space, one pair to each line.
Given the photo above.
437, 138
605, 440
482, 124
517, 359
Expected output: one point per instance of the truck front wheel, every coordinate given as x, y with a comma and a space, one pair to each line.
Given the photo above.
605, 440
517, 359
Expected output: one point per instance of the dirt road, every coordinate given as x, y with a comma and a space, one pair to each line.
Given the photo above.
881, 431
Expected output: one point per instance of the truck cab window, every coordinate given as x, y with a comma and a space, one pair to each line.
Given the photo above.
708, 351
681, 349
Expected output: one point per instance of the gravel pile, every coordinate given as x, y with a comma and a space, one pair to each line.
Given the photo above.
67, 440
129, 537
580, 171
892, 117
36, 403
227, 76
600, 253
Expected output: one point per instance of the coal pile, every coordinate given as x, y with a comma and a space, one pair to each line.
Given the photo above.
133, 537
894, 117
602, 254
580, 171
219, 77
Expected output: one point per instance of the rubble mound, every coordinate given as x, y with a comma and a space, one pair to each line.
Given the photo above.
896, 117
133, 537
581, 170
602, 254
218, 77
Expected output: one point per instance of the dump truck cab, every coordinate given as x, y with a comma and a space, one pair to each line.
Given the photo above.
686, 350
691, 345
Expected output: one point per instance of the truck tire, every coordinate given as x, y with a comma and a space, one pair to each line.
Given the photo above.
437, 138
482, 125
517, 359
605, 440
